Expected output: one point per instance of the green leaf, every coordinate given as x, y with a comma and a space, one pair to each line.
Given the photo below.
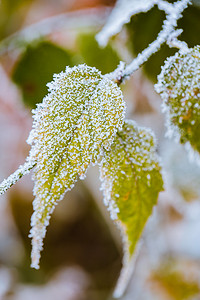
131, 181
105, 59
179, 86
36, 67
79, 116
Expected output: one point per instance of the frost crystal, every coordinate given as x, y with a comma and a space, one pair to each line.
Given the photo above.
121, 15
131, 181
13, 178
79, 116
179, 86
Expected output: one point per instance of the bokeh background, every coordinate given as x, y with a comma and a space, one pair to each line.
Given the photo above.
82, 256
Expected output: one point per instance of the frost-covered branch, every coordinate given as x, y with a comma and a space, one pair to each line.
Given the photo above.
173, 41
165, 6
13, 178
120, 15
168, 29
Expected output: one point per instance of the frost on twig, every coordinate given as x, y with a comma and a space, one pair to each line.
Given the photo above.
167, 30
117, 74
173, 42
173, 13
13, 178
121, 15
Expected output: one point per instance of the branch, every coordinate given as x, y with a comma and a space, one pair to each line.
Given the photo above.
13, 178
174, 13
165, 6
173, 42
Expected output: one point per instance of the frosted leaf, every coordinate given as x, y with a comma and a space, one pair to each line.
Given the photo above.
179, 86
78, 117
131, 181
121, 15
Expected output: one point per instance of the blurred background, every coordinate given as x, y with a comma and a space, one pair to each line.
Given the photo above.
82, 255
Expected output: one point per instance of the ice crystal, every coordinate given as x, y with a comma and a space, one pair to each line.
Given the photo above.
179, 86
121, 15
131, 181
173, 13
80, 115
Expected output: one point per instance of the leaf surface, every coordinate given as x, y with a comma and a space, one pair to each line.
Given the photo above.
78, 117
179, 86
131, 181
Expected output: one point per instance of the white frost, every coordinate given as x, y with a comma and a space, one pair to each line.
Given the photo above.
179, 85
173, 14
123, 170
81, 114
13, 178
121, 15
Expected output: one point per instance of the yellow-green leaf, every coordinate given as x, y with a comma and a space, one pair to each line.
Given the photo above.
131, 181
78, 117
179, 86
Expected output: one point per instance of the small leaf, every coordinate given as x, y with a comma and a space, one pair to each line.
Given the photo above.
179, 86
131, 181
78, 117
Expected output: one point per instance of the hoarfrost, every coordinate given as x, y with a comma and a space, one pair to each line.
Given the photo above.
179, 87
80, 115
173, 14
121, 15
131, 181
13, 178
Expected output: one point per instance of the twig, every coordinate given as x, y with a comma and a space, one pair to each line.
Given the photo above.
173, 13
173, 42
165, 6
168, 28
13, 178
